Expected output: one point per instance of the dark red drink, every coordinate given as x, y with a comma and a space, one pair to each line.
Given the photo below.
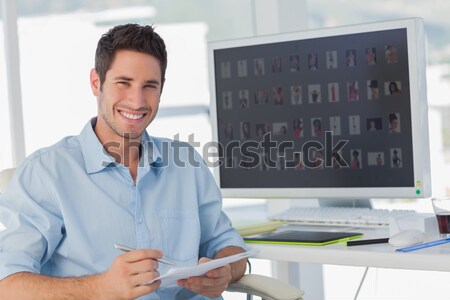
444, 223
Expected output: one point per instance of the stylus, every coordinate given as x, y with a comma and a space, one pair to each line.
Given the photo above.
368, 242
127, 249
423, 245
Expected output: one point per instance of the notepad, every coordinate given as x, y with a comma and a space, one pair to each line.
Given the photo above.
300, 237
257, 227
176, 273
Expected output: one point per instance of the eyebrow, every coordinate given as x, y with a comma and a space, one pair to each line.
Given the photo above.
125, 78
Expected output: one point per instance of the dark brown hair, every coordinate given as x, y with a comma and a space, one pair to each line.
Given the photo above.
140, 38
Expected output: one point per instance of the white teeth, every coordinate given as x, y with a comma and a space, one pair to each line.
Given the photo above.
131, 116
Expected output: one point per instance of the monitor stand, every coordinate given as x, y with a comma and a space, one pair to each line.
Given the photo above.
329, 202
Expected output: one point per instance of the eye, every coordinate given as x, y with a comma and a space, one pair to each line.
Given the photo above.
151, 86
124, 83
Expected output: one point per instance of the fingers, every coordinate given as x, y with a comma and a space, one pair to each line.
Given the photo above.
141, 290
141, 254
212, 284
203, 260
140, 261
143, 266
143, 278
146, 289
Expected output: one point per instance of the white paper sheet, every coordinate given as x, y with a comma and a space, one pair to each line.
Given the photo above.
174, 274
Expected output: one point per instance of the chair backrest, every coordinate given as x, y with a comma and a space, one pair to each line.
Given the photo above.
5, 177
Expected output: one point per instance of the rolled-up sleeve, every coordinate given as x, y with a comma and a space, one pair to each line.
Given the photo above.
217, 232
33, 224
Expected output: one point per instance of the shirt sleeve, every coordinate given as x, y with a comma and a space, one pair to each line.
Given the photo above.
33, 225
217, 232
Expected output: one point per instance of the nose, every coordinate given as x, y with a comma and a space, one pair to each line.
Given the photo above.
136, 97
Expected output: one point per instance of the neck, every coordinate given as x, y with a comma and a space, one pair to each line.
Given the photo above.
126, 151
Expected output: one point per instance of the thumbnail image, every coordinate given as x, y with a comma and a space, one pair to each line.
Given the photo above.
372, 90
332, 62
296, 94
350, 56
394, 123
245, 130
393, 88
354, 125
316, 127
225, 69
294, 63
297, 127
262, 129
315, 158
244, 101
264, 162
313, 62
314, 93
356, 159
298, 162
375, 159
396, 158
374, 124
261, 97
276, 64
227, 100
259, 66
391, 54
242, 68
371, 56
277, 94
333, 92
335, 125
231, 162
228, 130
352, 91
280, 128
281, 162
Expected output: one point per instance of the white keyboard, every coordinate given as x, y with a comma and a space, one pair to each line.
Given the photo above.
340, 216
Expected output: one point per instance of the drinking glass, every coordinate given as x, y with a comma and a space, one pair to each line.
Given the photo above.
441, 206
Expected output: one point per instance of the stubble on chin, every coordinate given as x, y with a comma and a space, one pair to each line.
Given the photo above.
115, 128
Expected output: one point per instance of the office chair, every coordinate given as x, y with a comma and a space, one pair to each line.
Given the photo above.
251, 284
5, 176
265, 287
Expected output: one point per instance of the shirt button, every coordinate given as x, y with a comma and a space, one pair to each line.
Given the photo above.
140, 221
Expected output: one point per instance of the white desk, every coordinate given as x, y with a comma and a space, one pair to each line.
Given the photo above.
309, 277
378, 255
301, 265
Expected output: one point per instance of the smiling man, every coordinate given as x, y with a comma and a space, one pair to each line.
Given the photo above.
68, 204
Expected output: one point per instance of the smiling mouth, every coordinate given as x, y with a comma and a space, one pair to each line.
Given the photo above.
131, 116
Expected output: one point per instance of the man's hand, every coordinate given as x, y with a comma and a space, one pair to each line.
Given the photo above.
212, 284
124, 279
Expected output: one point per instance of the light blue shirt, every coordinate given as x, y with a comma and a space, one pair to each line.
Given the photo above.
67, 205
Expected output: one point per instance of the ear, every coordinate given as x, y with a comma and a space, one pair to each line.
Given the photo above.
95, 82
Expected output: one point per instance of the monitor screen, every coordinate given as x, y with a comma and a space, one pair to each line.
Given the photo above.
335, 112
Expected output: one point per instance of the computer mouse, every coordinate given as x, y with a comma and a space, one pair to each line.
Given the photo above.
407, 238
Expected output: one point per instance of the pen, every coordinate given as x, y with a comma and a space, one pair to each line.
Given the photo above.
423, 245
126, 249
367, 242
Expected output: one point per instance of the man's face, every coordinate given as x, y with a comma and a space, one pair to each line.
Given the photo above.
129, 98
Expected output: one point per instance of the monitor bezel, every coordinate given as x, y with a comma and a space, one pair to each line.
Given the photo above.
419, 113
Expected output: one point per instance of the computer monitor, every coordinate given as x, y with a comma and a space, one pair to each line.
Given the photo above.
329, 113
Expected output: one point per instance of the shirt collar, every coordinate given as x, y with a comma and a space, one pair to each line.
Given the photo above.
151, 154
96, 158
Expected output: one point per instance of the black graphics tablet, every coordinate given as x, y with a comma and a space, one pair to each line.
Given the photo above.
298, 237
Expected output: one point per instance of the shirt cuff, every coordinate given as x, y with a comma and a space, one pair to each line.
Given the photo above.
12, 263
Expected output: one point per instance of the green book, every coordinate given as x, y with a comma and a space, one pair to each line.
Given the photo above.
300, 237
